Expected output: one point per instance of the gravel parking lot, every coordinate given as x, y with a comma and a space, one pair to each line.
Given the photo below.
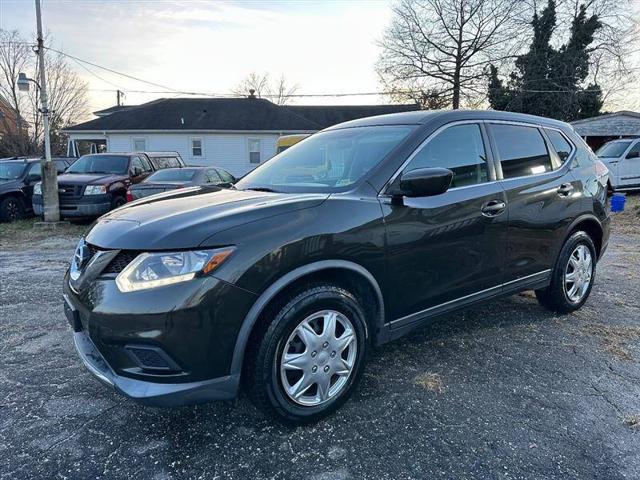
504, 390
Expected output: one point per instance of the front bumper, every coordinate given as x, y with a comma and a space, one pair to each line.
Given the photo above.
162, 347
149, 393
85, 206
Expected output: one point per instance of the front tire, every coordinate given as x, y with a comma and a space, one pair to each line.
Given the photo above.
572, 277
311, 357
11, 209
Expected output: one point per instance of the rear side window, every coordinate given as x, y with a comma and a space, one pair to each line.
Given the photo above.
212, 176
166, 162
521, 150
460, 149
560, 143
226, 176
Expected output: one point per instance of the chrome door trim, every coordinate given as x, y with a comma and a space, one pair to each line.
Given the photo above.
422, 313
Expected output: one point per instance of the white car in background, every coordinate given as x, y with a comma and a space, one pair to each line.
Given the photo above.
622, 158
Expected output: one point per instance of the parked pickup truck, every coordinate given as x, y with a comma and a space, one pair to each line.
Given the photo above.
17, 179
97, 183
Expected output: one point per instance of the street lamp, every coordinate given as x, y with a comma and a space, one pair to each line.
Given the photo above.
23, 82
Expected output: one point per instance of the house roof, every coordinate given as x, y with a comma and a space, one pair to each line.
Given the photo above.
328, 115
110, 110
620, 123
233, 114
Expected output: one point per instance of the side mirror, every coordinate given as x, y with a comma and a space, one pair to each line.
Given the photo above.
136, 171
32, 177
424, 182
633, 154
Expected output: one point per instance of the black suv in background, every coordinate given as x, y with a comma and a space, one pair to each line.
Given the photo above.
97, 183
17, 179
352, 238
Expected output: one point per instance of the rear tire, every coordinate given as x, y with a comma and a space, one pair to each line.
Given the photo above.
572, 277
11, 209
306, 365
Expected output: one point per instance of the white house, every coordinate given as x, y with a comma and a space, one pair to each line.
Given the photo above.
599, 130
236, 134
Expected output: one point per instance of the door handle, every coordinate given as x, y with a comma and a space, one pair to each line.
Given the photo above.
493, 208
565, 189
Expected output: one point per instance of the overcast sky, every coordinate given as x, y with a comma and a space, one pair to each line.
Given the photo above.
210, 46
324, 47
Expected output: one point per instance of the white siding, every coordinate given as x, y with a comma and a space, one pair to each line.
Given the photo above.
228, 151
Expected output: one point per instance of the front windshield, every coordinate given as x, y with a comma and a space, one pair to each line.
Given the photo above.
172, 175
117, 164
327, 161
11, 170
612, 149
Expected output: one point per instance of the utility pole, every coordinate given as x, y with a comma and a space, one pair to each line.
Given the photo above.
51, 206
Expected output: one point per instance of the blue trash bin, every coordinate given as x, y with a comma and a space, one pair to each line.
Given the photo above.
617, 202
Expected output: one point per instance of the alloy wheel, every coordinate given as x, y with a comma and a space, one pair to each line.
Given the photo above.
318, 358
13, 211
578, 273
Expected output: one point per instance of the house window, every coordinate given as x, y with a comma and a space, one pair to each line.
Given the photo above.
254, 150
196, 147
139, 144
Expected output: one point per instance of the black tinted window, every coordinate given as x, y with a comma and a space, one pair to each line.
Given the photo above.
560, 143
100, 164
461, 150
633, 150
521, 150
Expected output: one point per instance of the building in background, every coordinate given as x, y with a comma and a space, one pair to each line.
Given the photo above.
236, 134
599, 130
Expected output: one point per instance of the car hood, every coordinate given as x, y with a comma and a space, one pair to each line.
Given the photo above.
186, 218
89, 178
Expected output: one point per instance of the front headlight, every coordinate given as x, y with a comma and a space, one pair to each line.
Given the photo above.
95, 190
37, 188
150, 270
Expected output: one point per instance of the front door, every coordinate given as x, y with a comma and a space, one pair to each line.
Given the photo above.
629, 167
445, 248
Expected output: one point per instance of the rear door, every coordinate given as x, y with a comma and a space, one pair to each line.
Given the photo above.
446, 249
542, 196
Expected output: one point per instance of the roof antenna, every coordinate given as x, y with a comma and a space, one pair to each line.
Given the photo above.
252, 93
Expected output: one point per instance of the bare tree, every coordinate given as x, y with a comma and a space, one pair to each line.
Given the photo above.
67, 100
441, 48
15, 57
278, 91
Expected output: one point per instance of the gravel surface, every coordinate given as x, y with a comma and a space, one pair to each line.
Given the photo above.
503, 390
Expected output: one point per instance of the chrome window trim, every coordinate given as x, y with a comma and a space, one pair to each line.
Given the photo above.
427, 140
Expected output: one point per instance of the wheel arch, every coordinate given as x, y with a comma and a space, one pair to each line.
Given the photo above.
350, 272
591, 225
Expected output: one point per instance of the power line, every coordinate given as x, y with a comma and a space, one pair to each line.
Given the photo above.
111, 70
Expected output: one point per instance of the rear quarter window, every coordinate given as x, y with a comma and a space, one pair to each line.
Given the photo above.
561, 145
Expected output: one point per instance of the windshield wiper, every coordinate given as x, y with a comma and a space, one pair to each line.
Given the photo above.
262, 189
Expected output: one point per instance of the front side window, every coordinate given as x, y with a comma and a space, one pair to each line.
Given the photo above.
328, 161
561, 145
136, 165
35, 171
226, 176
196, 147
100, 163
139, 144
521, 150
254, 150
633, 152
460, 149
613, 149
146, 164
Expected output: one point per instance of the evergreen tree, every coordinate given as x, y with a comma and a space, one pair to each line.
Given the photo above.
547, 81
